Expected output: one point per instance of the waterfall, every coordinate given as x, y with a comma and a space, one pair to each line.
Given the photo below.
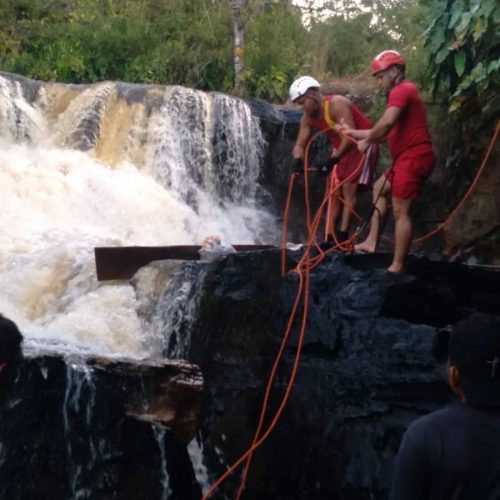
81, 451
114, 164
177, 309
196, 452
159, 432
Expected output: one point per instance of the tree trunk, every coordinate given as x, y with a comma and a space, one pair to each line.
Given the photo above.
239, 42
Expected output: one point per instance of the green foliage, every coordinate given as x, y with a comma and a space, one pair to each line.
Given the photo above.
347, 41
464, 46
274, 52
190, 42
149, 41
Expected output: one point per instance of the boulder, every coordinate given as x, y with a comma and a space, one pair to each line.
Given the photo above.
100, 428
372, 360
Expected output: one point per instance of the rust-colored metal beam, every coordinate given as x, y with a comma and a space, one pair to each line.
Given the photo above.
121, 263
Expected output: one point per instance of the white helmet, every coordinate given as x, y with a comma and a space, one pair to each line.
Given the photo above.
300, 86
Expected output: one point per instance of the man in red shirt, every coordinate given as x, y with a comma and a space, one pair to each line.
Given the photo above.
323, 113
404, 125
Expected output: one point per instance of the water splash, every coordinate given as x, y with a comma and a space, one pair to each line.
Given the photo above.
78, 380
177, 310
196, 453
159, 433
21, 120
186, 165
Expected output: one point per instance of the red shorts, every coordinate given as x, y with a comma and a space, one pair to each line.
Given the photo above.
350, 162
408, 174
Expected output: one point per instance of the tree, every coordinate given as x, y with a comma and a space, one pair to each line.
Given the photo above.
464, 45
239, 41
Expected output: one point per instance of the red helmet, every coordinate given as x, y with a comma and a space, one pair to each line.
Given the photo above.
386, 59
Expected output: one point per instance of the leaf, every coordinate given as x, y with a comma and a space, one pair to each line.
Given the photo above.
464, 22
479, 29
441, 55
436, 40
493, 66
461, 91
459, 61
456, 12
476, 6
479, 73
436, 37
487, 7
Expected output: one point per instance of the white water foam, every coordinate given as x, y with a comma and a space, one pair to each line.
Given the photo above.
58, 204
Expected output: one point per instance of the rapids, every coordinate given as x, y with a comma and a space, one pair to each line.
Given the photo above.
114, 164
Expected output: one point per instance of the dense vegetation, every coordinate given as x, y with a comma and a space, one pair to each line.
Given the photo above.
192, 42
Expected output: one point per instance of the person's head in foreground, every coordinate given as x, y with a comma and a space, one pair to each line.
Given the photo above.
474, 361
10, 355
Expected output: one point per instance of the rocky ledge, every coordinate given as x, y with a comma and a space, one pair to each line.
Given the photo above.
99, 429
373, 359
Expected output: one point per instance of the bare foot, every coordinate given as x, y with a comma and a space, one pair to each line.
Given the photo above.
396, 268
364, 247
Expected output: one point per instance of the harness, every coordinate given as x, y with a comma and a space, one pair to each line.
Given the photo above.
326, 114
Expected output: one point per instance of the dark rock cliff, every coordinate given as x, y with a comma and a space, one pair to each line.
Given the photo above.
99, 430
373, 359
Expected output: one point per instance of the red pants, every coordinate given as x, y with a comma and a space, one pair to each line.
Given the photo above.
408, 174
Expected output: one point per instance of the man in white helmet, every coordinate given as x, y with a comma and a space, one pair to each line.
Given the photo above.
323, 113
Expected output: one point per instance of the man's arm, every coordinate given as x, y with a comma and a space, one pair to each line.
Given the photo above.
340, 111
381, 129
299, 148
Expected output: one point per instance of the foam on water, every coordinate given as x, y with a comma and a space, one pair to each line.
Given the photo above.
59, 203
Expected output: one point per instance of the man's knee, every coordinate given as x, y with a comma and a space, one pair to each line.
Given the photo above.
400, 208
349, 193
382, 187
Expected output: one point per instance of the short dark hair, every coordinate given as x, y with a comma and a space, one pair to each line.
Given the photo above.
401, 67
10, 339
10, 355
474, 349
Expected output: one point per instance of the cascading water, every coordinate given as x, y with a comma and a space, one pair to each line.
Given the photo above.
79, 380
177, 309
114, 164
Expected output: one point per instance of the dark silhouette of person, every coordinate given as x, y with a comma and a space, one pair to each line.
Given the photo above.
454, 453
10, 355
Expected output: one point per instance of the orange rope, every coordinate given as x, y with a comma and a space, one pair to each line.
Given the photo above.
468, 192
303, 277
303, 269
285, 223
305, 265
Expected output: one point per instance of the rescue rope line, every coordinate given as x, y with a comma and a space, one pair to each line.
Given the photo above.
303, 268
469, 191
306, 264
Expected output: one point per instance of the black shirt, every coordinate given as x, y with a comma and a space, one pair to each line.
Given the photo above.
451, 454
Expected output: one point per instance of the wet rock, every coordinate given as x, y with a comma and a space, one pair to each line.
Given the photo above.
100, 428
369, 365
